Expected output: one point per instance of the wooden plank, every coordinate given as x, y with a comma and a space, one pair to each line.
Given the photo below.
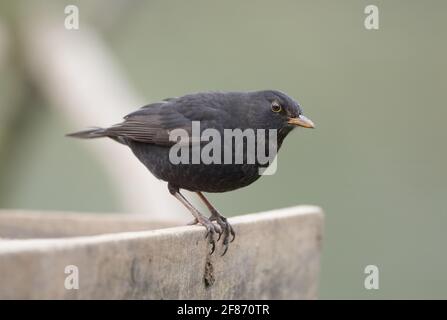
276, 255
20, 224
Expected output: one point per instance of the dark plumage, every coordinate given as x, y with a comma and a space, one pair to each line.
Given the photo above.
146, 131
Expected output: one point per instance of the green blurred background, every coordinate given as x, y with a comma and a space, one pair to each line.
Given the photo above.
376, 163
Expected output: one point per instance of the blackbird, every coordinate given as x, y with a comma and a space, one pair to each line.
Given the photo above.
147, 133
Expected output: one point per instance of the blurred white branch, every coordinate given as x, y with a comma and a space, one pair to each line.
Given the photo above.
4, 43
77, 73
7, 88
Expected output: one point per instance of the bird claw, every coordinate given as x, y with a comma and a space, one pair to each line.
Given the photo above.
221, 227
233, 234
213, 246
225, 250
227, 231
226, 241
211, 230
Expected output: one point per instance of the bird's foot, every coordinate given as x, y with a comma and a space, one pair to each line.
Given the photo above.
211, 230
227, 230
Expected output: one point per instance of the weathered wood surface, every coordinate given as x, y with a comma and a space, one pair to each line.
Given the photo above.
20, 224
276, 255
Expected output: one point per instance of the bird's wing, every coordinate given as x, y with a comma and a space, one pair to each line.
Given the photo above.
153, 123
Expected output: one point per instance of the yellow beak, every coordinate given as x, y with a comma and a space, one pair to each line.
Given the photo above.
301, 121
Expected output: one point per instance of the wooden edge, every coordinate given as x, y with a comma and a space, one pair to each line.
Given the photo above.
15, 245
276, 255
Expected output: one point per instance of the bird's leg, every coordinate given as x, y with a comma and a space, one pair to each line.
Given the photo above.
211, 229
227, 229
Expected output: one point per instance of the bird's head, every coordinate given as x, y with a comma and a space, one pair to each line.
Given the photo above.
276, 110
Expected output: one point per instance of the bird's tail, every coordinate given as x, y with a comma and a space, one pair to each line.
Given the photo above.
89, 133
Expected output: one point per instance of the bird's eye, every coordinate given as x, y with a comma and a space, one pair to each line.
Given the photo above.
276, 107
